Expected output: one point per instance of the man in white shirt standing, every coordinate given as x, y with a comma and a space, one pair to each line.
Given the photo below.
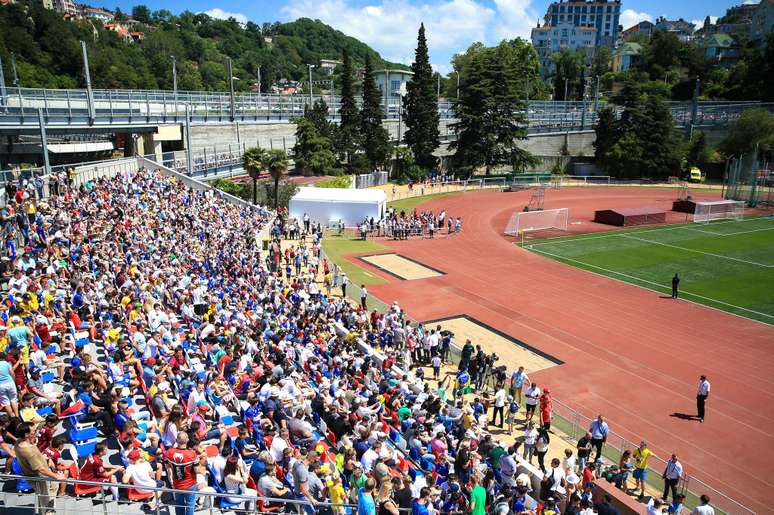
704, 508
672, 475
533, 395
701, 397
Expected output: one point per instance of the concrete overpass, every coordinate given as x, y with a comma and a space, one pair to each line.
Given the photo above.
189, 123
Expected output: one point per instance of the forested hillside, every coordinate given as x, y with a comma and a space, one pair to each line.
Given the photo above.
48, 52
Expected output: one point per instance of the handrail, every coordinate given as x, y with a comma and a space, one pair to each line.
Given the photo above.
163, 490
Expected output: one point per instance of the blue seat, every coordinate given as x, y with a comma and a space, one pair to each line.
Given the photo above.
222, 502
45, 410
22, 485
86, 449
48, 377
83, 435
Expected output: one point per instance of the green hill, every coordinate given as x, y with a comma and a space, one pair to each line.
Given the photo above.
47, 50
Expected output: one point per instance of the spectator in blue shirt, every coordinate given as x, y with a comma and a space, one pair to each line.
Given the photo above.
365, 499
598, 432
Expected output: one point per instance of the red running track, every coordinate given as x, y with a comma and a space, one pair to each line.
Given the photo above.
627, 352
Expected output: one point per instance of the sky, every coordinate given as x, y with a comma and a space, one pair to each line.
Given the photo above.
390, 26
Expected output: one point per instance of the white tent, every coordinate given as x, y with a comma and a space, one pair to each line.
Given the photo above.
329, 205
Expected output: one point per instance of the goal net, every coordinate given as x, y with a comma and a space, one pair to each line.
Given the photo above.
718, 210
526, 221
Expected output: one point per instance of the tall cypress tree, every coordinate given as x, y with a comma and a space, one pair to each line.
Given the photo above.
491, 109
375, 140
347, 133
422, 134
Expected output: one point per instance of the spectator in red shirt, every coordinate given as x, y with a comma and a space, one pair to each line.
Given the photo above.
94, 469
54, 454
46, 432
177, 361
180, 467
588, 475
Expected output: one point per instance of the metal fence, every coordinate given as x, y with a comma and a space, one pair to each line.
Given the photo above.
574, 424
23, 498
68, 106
368, 180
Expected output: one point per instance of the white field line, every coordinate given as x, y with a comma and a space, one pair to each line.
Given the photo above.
667, 288
696, 251
731, 233
612, 234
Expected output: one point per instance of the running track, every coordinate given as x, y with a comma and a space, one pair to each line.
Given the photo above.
627, 352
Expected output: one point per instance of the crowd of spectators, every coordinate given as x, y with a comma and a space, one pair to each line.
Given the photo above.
210, 365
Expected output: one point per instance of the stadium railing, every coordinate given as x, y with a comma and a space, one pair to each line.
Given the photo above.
25, 499
574, 424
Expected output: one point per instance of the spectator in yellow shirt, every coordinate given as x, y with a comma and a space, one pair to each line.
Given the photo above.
641, 456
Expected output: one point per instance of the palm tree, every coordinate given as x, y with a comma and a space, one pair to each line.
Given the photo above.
276, 161
254, 162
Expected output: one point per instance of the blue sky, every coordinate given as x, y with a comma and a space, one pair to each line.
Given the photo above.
390, 26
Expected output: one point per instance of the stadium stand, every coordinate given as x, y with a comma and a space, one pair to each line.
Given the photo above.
150, 348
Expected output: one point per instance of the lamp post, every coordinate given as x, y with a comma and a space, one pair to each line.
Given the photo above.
174, 81
231, 89
89, 92
13, 69
3, 100
259, 81
311, 89
565, 89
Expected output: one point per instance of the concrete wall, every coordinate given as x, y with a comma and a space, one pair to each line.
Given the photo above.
274, 134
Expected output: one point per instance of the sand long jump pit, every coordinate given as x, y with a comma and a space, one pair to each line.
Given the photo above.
511, 351
405, 269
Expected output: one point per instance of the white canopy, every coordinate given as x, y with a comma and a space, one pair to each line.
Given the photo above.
329, 205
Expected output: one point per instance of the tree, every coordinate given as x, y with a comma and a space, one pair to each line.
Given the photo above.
313, 152
347, 138
276, 161
141, 13
754, 129
492, 110
253, 162
606, 136
698, 151
375, 139
601, 62
642, 142
318, 115
569, 73
421, 108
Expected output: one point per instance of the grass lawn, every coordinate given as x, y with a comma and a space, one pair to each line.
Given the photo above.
408, 204
336, 247
728, 265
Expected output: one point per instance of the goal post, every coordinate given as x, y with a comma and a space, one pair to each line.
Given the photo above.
718, 210
527, 221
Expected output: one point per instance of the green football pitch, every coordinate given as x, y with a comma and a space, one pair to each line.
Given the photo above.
726, 264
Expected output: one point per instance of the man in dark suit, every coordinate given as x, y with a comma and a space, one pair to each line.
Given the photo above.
675, 284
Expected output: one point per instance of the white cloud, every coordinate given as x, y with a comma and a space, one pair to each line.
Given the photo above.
220, 14
515, 18
751, 2
630, 17
390, 26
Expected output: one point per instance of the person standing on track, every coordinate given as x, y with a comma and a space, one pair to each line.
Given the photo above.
701, 397
598, 430
363, 297
675, 284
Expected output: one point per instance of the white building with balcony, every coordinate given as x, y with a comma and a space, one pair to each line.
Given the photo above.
550, 39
